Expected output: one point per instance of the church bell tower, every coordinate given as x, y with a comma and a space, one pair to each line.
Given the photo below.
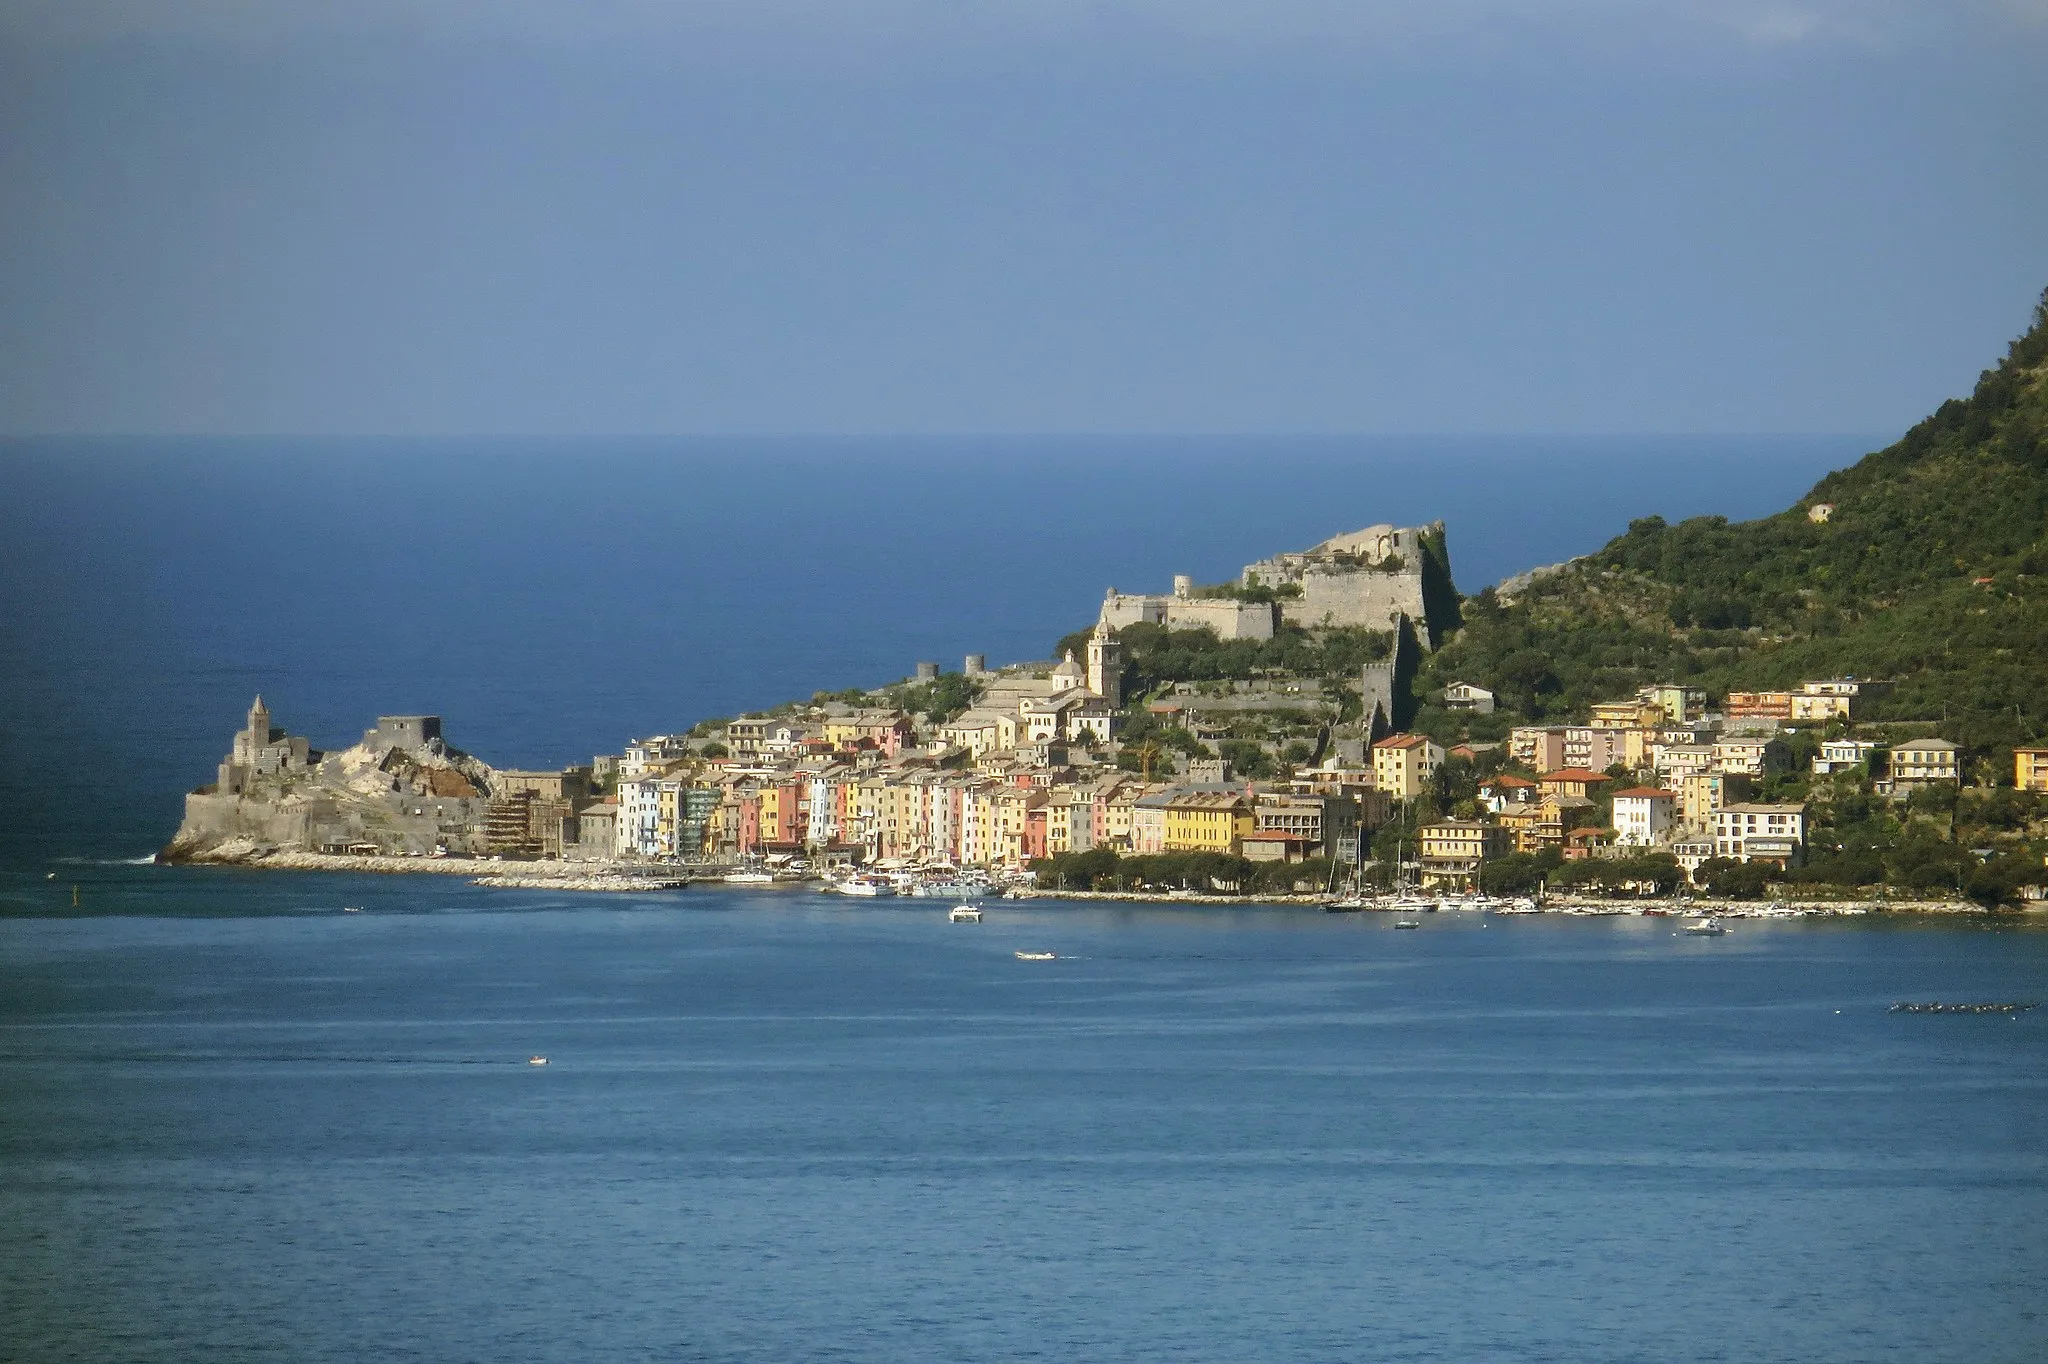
1106, 664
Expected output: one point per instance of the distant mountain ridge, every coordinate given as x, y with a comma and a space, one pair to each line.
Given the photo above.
1926, 562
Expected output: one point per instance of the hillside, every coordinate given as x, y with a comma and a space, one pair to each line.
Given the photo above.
1928, 568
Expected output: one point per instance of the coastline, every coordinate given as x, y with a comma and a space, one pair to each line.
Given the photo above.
642, 877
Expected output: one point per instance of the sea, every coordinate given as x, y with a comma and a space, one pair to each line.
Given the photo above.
282, 1116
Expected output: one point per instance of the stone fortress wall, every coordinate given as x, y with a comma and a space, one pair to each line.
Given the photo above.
1374, 578
1183, 611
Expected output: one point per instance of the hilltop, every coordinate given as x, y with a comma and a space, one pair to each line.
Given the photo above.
1922, 563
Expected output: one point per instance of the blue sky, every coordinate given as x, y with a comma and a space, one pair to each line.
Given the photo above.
876, 216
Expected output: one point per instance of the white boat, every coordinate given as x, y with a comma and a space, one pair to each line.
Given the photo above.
866, 887
1406, 923
1038, 956
536, 1060
1349, 904
964, 914
753, 877
1704, 928
351, 909
1413, 904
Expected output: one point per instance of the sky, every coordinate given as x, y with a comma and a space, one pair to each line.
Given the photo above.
546, 217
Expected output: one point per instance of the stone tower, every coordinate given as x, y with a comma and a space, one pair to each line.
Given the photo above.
1106, 664
259, 724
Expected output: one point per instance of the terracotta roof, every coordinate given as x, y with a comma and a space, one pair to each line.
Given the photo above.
1507, 779
1573, 774
1401, 741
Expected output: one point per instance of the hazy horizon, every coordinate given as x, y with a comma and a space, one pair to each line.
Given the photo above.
892, 217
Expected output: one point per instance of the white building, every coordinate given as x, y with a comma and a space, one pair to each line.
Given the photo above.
639, 825
1751, 832
1465, 696
1644, 816
1839, 755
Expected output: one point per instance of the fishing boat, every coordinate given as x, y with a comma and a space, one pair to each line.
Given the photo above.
1038, 956
964, 914
1704, 928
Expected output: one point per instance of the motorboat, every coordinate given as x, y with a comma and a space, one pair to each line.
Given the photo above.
536, 1060
1414, 904
964, 914
1406, 923
1704, 928
351, 909
750, 877
865, 887
1038, 956
1349, 904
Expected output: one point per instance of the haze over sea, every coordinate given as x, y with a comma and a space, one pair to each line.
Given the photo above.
237, 1123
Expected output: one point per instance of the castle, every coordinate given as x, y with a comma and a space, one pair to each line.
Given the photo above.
1373, 578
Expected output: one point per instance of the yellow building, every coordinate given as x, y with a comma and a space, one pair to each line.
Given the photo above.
1701, 796
1403, 764
1628, 715
2030, 769
1208, 821
1452, 850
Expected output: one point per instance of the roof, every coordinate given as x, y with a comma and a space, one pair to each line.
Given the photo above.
1943, 744
1646, 791
1508, 779
1574, 774
1402, 741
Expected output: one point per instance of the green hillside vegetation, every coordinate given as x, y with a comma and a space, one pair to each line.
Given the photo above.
1932, 569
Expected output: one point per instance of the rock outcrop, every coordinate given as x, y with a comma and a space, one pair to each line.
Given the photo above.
369, 798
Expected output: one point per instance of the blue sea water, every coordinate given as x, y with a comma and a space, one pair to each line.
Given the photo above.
554, 599
239, 1124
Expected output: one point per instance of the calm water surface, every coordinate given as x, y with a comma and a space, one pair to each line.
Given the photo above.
236, 1123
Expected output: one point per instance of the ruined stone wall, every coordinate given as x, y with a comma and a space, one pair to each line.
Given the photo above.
1131, 608
1359, 597
1228, 618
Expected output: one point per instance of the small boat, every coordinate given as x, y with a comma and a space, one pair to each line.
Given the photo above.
1038, 956
1406, 923
964, 914
750, 878
867, 887
536, 1060
1704, 928
1414, 904
351, 909
1349, 904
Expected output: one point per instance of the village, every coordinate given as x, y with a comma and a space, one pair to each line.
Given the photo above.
1050, 766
